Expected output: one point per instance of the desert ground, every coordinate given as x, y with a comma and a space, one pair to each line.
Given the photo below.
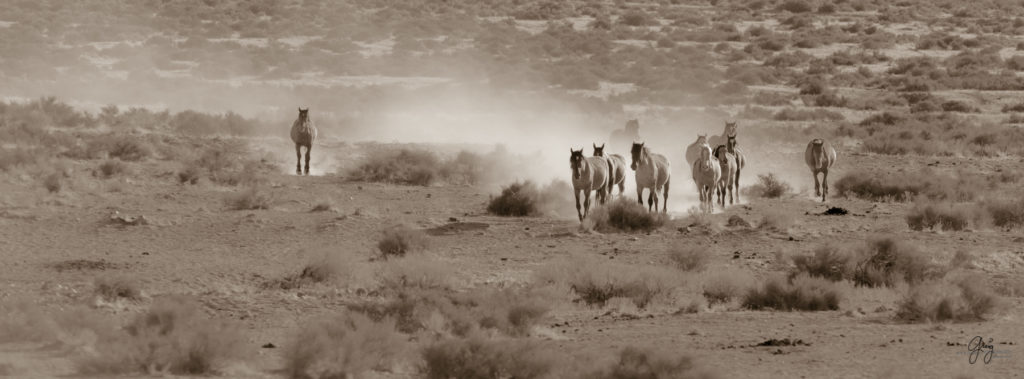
152, 223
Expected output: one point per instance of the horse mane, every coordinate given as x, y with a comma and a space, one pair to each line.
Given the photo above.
818, 141
718, 150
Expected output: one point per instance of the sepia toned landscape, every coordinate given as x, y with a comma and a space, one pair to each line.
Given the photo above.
153, 222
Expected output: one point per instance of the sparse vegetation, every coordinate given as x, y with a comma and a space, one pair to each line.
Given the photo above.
346, 345
527, 199
777, 221
251, 198
112, 288
905, 187
597, 282
401, 240
801, 293
112, 168
478, 357
881, 261
952, 299
723, 285
625, 215
770, 187
635, 363
690, 257
941, 216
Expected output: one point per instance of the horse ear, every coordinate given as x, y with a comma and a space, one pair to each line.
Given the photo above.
300, 109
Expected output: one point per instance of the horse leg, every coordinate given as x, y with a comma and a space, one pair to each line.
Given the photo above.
577, 194
308, 149
664, 206
586, 204
622, 187
824, 184
650, 198
640, 194
817, 185
736, 185
298, 159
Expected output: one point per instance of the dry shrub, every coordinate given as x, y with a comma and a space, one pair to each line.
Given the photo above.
478, 357
596, 282
881, 261
962, 259
769, 187
54, 182
885, 261
512, 312
829, 261
322, 266
521, 199
416, 272
690, 257
906, 186
640, 363
413, 167
347, 345
251, 198
801, 293
776, 220
322, 207
10, 158
942, 216
111, 168
1006, 213
117, 287
624, 215
172, 336
123, 147
723, 285
965, 298
400, 240
189, 175
793, 114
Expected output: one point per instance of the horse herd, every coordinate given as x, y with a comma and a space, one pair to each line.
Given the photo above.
715, 171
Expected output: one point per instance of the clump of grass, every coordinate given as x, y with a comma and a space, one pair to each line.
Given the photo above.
881, 261
885, 261
962, 259
347, 345
597, 282
477, 357
635, 363
189, 175
690, 257
801, 293
723, 285
1006, 213
413, 167
625, 216
905, 187
54, 182
951, 299
512, 312
123, 147
941, 216
251, 198
770, 187
117, 287
400, 240
522, 199
777, 221
172, 336
112, 168
828, 261
322, 207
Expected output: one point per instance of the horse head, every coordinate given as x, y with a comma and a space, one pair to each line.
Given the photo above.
576, 163
730, 129
303, 113
598, 150
637, 153
705, 158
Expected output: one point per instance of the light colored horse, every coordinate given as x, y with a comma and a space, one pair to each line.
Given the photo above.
820, 156
303, 134
693, 151
727, 162
741, 162
588, 174
622, 138
654, 172
616, 169
706, 174
729, 130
